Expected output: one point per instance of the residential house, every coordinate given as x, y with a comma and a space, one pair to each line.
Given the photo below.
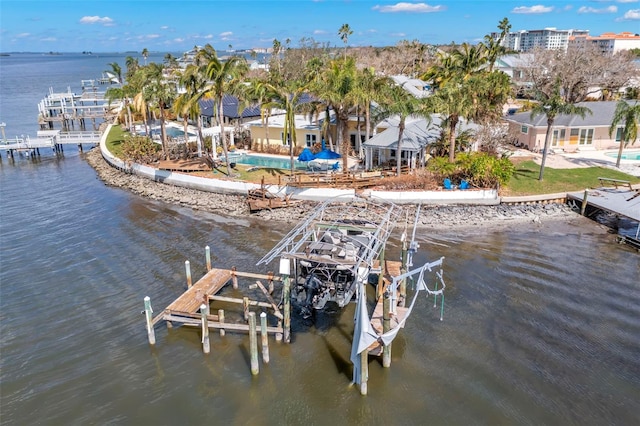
419, 133
569, 132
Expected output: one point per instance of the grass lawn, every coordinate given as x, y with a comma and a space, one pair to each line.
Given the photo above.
525, 179
114, 141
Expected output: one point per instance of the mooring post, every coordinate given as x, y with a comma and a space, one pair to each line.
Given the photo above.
364, 371
221, 321
187, 267
386, 326
245, 307
265, 338
383, 271
583, 208
148, 312
204, 311
403, 270
253, 344
207, 255
285, 272
234, 278
287, 310
270, 280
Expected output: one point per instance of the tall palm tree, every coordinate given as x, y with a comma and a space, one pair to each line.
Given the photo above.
145, 55
225, 77
187, 104
336, 86
396, 101
494, 47
344, 32
368, 88
552, 106
132, 66
259, 93
630, 116
159, 93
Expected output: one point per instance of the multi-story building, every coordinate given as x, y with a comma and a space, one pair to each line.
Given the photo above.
608, 43
548, 38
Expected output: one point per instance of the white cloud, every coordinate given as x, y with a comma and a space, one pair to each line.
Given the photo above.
23, 35
398, 35
49, 39
409, 7
96, 20
226, 34
319, 32
152, 36
532, 9
610, 9
632, 15
627, 1
208, 37
164, 27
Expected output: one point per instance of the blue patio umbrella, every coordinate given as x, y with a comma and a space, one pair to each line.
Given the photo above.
327, 154
306, 155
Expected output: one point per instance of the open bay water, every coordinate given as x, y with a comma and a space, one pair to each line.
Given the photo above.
541, 323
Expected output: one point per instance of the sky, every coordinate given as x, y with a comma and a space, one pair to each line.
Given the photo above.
178, 26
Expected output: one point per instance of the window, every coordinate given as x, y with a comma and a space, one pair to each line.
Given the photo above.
619, 134
586, 137
288, 141
557, 137
524, 129
310, 139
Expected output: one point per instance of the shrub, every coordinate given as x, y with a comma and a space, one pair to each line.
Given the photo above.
140, 149
479, 169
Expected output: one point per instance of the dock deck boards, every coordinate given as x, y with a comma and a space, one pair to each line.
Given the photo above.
624, 202
392, 269
190, 301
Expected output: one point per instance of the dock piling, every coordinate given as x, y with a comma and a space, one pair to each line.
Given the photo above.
583, 208
148, 312
204, 310
287, 310
207, 255
265, 338
245, 307
386, 326
253, 344
221, 321
187, 267
234, 278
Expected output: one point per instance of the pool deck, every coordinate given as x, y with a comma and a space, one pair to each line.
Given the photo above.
589, 158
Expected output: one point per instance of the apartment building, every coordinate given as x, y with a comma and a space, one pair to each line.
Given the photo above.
608, 43
548, 38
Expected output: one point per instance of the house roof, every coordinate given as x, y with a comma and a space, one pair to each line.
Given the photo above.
229, 108
601, 116
416, 87
416, 135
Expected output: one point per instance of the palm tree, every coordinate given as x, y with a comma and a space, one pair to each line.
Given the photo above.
336, 86
187, 103
494, 47
396, 101
344, 32
224, 78
132, 66
630, 115
552, 106
259, 93
368, 88
145, 55
116, 70
159, 93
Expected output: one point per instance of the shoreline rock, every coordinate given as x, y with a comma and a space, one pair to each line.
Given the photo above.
432, 217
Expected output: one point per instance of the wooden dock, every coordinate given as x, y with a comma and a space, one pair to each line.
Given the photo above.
185, 309
620, 198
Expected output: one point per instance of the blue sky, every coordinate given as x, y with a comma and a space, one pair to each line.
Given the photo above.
176, 26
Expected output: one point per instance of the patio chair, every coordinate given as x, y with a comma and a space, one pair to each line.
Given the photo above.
464, 185
447, 184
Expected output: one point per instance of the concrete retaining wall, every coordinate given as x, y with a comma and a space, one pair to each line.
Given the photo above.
473, 197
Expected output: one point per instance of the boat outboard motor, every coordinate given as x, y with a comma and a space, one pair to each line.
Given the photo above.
312, 286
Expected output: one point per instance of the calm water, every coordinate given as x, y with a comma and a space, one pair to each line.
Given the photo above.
541, 326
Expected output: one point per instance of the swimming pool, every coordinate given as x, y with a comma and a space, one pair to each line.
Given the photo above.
629, 155
267, 162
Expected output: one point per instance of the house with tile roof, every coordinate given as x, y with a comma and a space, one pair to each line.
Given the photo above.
569, 132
